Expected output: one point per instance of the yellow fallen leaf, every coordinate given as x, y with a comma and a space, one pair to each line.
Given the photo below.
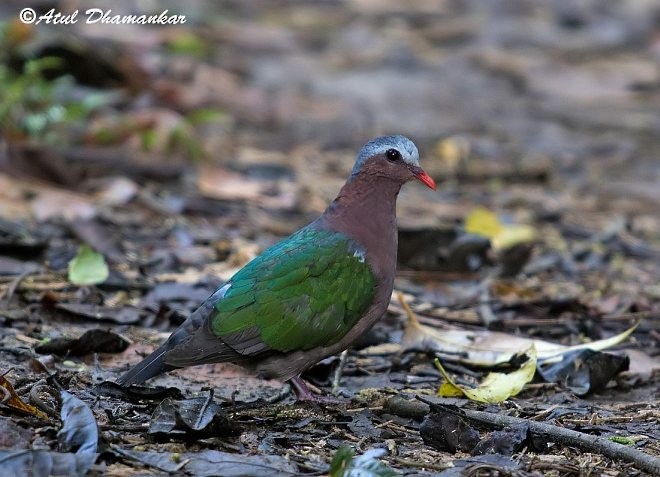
496, 387
482, 221
511, 235
452, 151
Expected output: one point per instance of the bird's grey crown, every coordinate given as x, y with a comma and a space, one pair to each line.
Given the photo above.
381, 144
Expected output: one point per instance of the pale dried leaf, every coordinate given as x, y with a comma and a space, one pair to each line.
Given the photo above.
489, 348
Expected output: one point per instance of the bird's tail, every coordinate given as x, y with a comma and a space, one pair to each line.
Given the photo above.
153, 364
149, 367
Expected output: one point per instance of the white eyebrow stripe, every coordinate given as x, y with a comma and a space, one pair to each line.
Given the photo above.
380, 145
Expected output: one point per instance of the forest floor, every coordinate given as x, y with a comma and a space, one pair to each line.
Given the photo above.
179, 153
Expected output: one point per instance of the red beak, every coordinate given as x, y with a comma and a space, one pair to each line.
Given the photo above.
423, 177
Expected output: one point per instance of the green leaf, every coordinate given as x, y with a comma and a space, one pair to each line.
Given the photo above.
33, 106
367, 465
205, 116
37, 66
149, 140
626, 441
341, 461
187, 43
88, 267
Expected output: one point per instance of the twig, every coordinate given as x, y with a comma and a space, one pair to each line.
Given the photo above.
434, 276
420, 465
336, 378
485, 311
125, 428
11, 288
545, 413
566, 437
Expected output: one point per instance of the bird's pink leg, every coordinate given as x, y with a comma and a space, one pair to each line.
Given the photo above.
301, 390
303, 393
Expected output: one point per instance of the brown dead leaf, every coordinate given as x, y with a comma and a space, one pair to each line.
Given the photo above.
48, 202
12, 202
217, 182
12, 400
51, 203
512, 292
13, 209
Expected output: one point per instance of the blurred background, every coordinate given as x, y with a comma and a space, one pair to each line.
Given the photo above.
178, 152
142, 165
516, 91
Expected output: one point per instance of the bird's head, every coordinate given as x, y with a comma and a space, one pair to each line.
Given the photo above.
393, 157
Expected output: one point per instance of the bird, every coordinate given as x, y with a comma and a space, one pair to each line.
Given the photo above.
311, 295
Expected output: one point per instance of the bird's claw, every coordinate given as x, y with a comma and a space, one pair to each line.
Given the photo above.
304, 394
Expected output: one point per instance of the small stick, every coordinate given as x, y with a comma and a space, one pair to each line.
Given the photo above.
11, 288
485, 310
566, 437
336, 378
421, 465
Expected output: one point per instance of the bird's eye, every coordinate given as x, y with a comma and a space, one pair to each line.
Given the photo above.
393, 155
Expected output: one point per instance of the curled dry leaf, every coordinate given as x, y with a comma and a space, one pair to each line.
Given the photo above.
489, 348
92, 341
210, 462
196, 417
585, 371
12, 400
448, 431
79, 434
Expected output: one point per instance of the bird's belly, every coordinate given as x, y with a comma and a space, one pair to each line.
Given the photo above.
285, 366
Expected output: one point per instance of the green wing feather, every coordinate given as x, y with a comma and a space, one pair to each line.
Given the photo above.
304, 292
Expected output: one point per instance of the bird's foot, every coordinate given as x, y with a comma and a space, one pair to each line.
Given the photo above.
303, 393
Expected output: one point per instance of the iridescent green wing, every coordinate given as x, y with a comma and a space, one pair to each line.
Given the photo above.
304, 292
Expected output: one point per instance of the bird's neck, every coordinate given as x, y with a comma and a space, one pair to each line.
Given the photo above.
366, 195
365, 210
